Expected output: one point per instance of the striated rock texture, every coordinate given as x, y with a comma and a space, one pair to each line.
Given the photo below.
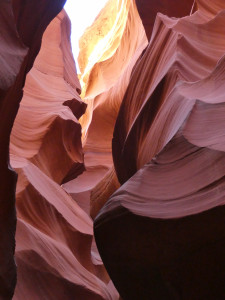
54, 251
106, 63
149, 9
137, 143
161, 234
20, 40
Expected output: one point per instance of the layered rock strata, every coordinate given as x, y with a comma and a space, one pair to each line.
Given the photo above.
54, 252
160, 235
142, 152
106, 63
20, 42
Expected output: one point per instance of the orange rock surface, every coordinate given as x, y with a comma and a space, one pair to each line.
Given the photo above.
136, 144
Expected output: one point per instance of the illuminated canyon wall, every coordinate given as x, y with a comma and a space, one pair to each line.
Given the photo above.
134, 148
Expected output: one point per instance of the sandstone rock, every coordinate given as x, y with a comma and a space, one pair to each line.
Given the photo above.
20, 43
160, 234
54, 235
137, 143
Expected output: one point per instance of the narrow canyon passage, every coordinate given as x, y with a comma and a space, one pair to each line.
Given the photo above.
112, 171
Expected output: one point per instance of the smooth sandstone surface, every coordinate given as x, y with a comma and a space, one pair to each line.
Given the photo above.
105, 77
149, 9
135, 142
162, 228
54, 239
20, 43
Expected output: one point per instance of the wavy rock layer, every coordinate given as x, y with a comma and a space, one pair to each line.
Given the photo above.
143, 151
162, 229
21, 32
106, 62
54, 252
149, 9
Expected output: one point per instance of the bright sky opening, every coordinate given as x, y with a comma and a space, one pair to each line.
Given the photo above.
82, 14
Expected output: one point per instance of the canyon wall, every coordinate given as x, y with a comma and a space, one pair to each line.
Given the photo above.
22, 24
160, 235
135, 144
55, 253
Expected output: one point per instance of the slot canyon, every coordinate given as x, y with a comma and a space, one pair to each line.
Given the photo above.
112, 183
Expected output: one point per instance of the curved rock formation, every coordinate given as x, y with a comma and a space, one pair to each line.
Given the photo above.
20, 42
105, 77
142, 152
54, 235
149, 9
162, 229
